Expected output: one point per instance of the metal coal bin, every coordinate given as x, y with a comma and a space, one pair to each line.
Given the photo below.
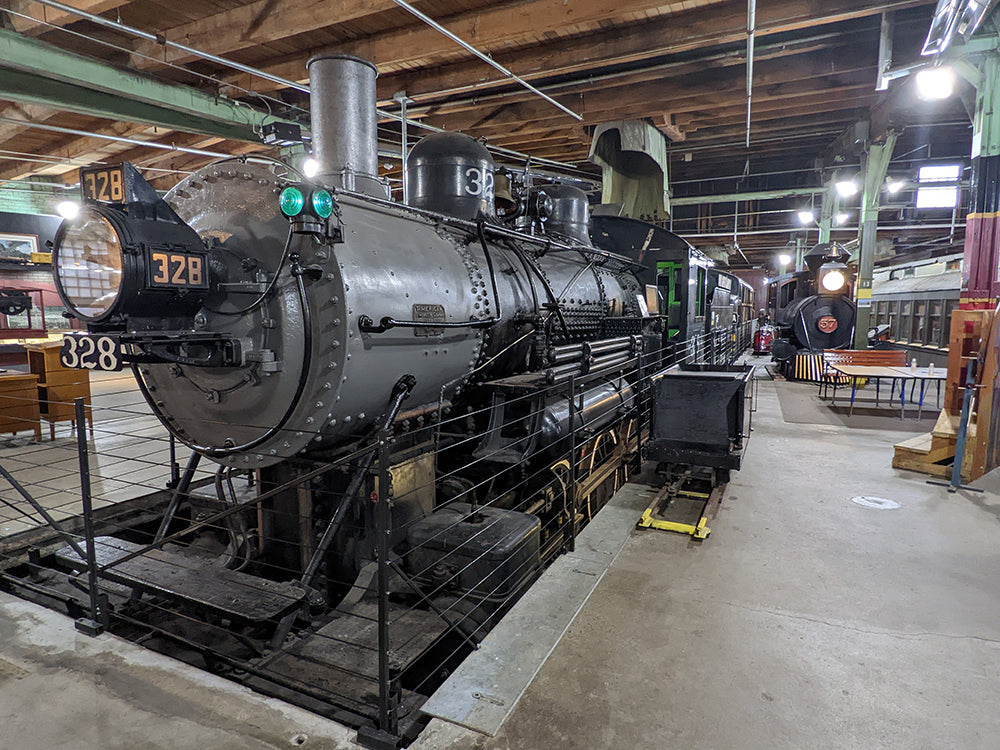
701, 415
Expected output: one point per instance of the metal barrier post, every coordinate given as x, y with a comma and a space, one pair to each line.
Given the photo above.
98, 620
569, 511
386, 735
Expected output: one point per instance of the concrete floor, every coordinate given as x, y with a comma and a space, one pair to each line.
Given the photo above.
804, 621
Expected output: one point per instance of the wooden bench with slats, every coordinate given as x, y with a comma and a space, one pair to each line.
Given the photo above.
862, 357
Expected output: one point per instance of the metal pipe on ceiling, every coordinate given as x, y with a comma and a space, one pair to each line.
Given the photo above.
786, 230
484, 57
116, 138
751, 30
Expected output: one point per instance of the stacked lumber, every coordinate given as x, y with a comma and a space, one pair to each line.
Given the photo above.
933, 453
975, 335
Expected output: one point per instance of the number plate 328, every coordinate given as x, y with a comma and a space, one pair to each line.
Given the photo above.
84, 351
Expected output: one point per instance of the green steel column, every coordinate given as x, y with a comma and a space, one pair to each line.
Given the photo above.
831, 202
874, 162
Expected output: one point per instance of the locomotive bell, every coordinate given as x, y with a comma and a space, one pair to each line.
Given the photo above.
503, 197
451, 174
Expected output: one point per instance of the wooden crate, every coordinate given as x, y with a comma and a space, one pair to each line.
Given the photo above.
19, 408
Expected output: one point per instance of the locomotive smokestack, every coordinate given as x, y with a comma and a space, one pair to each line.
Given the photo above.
342, 111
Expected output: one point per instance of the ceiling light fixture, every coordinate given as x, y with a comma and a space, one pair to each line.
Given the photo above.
846, 188
935, 83
806, 217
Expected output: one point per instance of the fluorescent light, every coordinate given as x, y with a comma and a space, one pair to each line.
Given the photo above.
310, 167
846, 188
784, 259
894, 186
68, 209
841, 219
935, 83
806, 217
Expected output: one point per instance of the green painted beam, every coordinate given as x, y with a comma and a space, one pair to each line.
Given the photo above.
36, 72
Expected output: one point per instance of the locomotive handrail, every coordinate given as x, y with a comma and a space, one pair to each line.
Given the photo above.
367, 325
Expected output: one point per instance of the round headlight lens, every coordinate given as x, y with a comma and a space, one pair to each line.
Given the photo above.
291, 201
322, 203
833, 281
89, 266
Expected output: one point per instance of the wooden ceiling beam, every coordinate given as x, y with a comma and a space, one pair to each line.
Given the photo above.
41, 18
700, 69
75, 147
490, 29
504, 24
21, 111
678, 33
815, 73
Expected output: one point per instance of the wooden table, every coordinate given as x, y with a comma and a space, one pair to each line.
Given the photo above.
19, 403
869, 372
923, 374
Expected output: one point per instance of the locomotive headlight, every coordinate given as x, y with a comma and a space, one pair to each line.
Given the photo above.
832, 278
834, 281
88, 266
111, 263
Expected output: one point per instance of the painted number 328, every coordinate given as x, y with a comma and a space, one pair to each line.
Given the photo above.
174, 269
479, 182
91, 353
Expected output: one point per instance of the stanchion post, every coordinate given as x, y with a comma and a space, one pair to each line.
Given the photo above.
569, 502
98, 620
386, 735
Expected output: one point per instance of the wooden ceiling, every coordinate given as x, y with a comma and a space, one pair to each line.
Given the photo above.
681, 64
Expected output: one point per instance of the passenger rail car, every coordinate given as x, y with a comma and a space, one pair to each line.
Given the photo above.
912, 303
708, 312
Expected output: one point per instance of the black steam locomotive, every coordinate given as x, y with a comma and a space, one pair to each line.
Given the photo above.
296, 331
813, 310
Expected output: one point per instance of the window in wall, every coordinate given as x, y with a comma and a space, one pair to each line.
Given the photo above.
938, 197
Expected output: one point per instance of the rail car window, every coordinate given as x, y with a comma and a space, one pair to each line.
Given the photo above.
935, 307
787, 293
917, 328
893, 320
702, 298
671, 285
881, 313
905, 319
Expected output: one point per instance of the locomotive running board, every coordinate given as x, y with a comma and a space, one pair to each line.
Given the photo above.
226, 592
483, 691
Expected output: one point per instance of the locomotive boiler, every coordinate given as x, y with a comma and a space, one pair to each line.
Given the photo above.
272, 318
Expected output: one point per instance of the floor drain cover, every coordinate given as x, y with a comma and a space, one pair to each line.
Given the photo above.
880, 503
